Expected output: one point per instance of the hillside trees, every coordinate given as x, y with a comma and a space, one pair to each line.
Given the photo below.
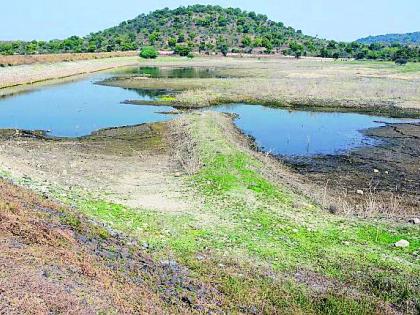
200, 27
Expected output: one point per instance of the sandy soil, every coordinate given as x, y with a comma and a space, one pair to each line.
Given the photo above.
131, 166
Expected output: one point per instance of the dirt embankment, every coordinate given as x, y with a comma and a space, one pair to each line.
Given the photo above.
16, 60
20, 78
53, 260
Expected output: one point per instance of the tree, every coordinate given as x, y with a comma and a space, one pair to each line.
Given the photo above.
181, 38
297, 49
154, 37
246, 41
183, 50
257, 42
148, 52
224, 49
267, 44
172, 42
222, 46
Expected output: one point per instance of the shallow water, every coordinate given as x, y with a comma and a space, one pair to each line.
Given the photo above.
78, 108
172, 73
303, 133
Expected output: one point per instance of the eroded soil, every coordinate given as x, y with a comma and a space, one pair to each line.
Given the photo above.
130, 166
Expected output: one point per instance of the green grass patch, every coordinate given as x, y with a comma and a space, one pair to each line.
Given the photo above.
253, 222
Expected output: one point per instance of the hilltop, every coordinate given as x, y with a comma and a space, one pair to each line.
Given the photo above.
404, 39
210, 30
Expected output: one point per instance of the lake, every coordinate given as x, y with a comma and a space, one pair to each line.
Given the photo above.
80, 107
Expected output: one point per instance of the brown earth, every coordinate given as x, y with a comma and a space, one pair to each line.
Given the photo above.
130, 166
16, 60
53, 260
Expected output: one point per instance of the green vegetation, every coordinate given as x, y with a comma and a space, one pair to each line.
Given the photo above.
148, 52
266, 248
212, 29
183, 50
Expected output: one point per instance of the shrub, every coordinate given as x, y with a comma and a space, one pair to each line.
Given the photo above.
401, 61
183, 50
148, 53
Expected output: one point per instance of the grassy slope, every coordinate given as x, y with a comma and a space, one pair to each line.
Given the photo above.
265, 248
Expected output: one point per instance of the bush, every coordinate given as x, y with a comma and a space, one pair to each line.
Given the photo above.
190, 55
148, 53
401, 61
183, 50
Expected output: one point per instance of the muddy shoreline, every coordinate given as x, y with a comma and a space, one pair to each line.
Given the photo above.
381, 179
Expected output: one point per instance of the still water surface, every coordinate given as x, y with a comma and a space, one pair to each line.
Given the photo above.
78, 108
303, 133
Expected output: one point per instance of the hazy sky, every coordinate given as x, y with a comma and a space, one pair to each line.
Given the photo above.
332, 19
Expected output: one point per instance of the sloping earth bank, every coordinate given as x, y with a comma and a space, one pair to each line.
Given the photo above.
240, 234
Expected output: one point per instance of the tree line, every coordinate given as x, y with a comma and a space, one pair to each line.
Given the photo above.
211, 29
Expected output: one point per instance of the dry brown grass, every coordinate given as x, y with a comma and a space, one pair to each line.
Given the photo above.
45, 269
16, 60
288, 82
183, 146
53, 260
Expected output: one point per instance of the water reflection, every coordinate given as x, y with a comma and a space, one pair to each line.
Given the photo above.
173, 73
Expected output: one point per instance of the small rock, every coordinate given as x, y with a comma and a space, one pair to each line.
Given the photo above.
360, 192
177, 174
376, 171
332, 209
414, 221
402, 244
347, 243
169, 263
386, 172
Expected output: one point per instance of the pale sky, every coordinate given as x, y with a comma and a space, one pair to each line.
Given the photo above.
331, 19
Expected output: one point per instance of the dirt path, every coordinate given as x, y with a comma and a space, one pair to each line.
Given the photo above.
131, 166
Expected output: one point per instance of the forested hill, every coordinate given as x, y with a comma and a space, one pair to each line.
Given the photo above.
210, 29
207, 28
404, 39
